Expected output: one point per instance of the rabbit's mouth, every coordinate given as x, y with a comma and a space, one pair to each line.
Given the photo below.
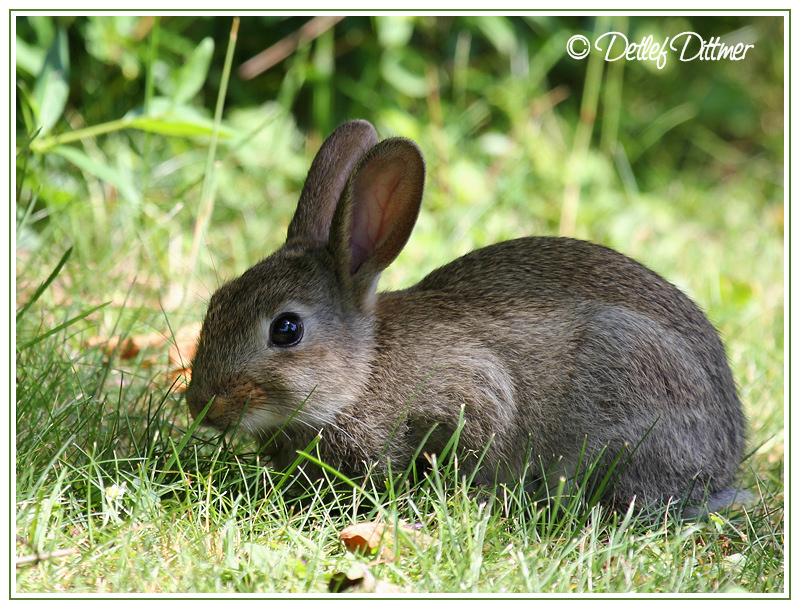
253, 408
226, 407
273, 415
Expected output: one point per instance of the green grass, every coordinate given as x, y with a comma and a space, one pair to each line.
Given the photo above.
211, 520
108, 468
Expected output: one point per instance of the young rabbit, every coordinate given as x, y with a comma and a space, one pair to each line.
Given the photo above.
557, 349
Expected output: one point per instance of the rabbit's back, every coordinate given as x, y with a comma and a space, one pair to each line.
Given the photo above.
546, 274
564, 348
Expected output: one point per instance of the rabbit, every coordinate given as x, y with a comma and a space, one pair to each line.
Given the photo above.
554, 348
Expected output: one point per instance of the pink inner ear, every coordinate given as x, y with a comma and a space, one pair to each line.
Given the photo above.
376, 204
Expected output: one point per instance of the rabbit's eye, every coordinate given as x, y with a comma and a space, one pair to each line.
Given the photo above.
286, 330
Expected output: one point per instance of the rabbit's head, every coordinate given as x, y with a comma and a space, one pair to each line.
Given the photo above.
291, 338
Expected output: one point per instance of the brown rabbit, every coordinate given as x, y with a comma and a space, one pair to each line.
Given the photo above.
557, 349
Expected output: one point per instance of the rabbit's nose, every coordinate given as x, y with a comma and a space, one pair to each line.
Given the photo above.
223, 402
213, 416
197, 401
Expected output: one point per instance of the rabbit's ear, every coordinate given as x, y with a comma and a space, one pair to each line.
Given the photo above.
326, 180
378, 209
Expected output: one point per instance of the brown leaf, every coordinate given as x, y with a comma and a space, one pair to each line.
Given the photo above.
128, 347
178, 378
181, 354
181, 351
376, 537
364, 536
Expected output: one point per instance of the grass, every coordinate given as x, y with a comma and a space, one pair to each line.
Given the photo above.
115, 492
214, 522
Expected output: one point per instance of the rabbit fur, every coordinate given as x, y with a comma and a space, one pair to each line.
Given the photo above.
556, 348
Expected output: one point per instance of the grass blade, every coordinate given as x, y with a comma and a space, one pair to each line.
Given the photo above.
40, 290
209, 184
60, 327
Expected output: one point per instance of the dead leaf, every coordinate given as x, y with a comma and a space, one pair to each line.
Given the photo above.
362, 536
379, 538
128, 347
181, 354
181, 350
178, 379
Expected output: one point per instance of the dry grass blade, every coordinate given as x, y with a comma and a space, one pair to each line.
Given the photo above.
32, 559
283, 48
